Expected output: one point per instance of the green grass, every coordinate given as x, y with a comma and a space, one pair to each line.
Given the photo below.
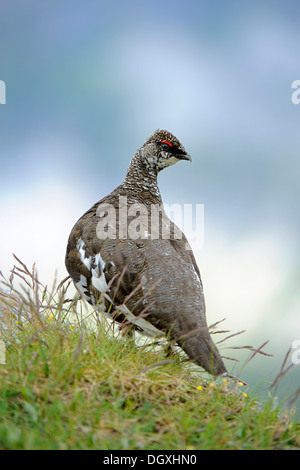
66, 385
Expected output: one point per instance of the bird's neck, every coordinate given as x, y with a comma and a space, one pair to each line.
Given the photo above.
141, 182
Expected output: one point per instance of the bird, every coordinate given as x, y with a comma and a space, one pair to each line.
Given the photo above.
145, 276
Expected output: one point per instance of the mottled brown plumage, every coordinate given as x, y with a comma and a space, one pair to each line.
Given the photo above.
153, 283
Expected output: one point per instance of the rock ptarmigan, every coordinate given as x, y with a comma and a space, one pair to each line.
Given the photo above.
126, 252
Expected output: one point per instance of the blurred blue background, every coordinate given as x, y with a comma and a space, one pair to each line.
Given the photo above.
88, 82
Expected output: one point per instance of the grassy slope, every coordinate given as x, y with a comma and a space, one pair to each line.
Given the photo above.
64, 387
75, 392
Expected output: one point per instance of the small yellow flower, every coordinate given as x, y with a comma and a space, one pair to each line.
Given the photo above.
240, 384
50, 317
224, 381
71, 326
17, 322
199, 387
245, 395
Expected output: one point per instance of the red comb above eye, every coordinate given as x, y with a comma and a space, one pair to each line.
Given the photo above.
166, 142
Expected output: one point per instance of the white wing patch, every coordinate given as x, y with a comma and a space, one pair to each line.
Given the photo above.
96, 265
98, 276
82, 287
146, 327
86, 261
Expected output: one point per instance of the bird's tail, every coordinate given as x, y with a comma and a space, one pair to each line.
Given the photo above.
200, 348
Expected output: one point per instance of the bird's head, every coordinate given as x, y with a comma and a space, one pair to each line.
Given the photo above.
161, 150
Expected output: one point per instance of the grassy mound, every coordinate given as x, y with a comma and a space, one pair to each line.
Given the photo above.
66, 385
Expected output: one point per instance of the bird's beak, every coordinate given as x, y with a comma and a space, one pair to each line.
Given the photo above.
184, 157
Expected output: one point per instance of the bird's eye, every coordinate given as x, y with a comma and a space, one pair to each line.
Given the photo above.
166, 145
